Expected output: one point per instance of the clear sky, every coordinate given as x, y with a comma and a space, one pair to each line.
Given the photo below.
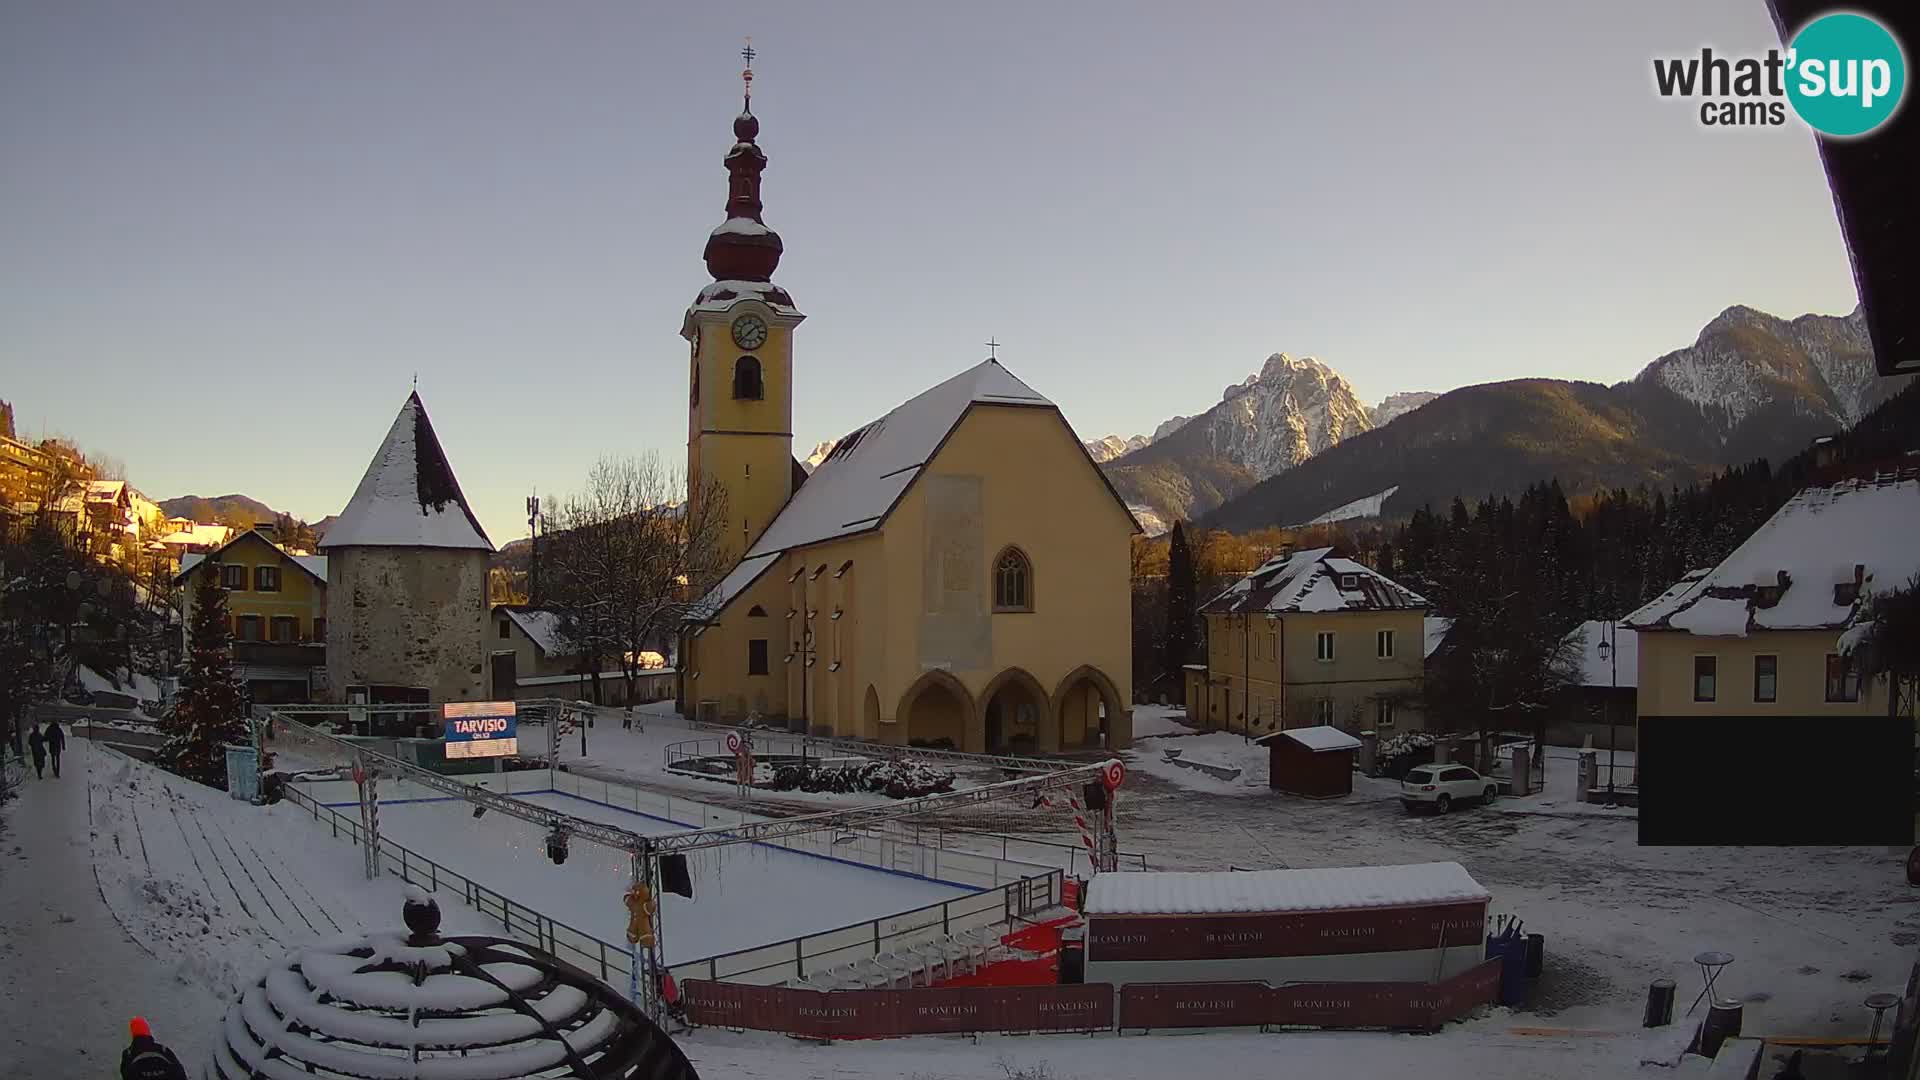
230, 233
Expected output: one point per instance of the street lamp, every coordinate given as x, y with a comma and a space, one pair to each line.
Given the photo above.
1610, 652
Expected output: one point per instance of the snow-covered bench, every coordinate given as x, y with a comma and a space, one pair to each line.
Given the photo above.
1211, 768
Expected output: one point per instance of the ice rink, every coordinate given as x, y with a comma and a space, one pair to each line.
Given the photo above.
745, 895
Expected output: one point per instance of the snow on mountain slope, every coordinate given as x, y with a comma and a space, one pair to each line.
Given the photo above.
819, 454
1746, 360
1358, 508
1113, 446
1287, 412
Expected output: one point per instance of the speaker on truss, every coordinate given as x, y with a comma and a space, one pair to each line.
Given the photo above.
1094, 795
674, 877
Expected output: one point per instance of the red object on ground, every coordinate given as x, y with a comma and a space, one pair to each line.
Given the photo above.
1032, 970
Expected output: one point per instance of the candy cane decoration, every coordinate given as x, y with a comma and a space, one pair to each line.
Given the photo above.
1079, 818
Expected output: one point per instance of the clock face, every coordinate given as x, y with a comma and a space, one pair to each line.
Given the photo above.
749, 332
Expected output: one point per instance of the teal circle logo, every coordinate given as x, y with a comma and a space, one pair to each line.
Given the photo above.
1846, 74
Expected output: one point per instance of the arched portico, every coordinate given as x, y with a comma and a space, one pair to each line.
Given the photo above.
937, 706
1014, 716
1089, 711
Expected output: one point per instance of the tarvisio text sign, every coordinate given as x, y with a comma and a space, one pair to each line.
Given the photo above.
480, 729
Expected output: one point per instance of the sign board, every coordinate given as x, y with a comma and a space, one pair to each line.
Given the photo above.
481, 729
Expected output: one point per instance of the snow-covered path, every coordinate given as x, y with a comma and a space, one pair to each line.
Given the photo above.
73, 975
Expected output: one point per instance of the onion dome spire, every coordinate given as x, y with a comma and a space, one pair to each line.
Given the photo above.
743, 248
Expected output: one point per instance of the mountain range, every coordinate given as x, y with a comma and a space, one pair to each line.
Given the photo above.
1751, 385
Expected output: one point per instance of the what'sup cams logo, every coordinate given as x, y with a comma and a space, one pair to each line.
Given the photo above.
1843, 75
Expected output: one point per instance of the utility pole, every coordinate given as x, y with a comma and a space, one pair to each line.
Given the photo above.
533, 542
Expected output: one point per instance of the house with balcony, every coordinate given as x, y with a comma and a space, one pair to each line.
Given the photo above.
1312, 638
276, 609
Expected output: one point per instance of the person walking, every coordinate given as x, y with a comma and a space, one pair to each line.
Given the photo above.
56, 742
145, 1059
38, 744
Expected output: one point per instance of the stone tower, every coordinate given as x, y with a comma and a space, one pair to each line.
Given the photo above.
740, 328
407, 576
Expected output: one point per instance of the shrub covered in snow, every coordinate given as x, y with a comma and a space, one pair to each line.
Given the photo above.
1402, 752
897, 779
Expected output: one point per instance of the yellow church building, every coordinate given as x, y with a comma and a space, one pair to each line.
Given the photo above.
955, 573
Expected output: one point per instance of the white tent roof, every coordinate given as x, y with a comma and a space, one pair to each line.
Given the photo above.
408, 497
1147, 892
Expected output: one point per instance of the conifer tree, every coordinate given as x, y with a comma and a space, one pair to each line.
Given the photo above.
1181, 583
212, 707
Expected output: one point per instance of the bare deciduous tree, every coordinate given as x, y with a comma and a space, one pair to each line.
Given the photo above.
627, 558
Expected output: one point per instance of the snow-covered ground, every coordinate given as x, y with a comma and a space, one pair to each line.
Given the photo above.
745, 895
207, 889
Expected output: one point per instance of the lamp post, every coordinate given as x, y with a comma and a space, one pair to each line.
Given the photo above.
1610, 652
533, 545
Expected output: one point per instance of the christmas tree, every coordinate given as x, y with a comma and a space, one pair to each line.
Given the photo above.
212, 708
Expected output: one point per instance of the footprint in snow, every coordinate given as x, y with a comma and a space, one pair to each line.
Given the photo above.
1857, 975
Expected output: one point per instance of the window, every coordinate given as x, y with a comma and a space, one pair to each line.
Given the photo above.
1323, 711
320, 630
756, 612
1012, 582
233, 577
505, 630
247, 627
266, 579
746, 379
1349, 582
1323, 646
286, 629
1382, 712
1843, 679
757, 656
1705, 672
1383, 644
1766, 678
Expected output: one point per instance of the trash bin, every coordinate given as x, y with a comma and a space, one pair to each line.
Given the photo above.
1536, 954
1722, 1023
1073, 956
1659, 1003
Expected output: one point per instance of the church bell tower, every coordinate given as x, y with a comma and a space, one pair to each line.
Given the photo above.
740, 329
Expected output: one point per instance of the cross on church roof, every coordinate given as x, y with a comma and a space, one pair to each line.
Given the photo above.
993, 349
746, 75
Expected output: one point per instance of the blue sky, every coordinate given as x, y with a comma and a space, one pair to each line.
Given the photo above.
231, 233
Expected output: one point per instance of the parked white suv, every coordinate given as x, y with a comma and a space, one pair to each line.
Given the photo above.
1441, 786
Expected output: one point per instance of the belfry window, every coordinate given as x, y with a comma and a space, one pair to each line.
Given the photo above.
746, 379
1012, 581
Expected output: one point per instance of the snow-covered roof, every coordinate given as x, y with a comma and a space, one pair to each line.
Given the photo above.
858, 483
739, 226
1595, 671
408, 497
1820, 539
105, 490
197, 534
721, 295
1436, 628
312, 564
1310, 580
1149, 892
743, 574
1317, 738
542, 628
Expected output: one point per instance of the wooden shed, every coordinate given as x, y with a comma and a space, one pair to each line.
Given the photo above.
1316, 762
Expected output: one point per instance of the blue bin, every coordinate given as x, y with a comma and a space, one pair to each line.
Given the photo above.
1511, 950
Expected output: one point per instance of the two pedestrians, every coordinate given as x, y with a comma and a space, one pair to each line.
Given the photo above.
49, 744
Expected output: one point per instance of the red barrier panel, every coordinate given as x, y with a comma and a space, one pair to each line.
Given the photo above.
847, 1014
1466, 992
1392, 1005
1187, 1005
1303, 933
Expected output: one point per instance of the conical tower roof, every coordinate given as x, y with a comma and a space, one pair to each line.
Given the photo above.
408, 497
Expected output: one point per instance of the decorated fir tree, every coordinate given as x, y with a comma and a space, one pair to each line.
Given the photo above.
211, 710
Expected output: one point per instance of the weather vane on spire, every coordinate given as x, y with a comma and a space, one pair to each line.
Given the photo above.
746, 75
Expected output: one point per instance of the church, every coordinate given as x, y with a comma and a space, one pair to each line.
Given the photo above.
956, 573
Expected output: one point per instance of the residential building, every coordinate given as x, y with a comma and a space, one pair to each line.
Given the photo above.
276, 611
1761, 634
407, 558
528, 656
1599, 706
1311, 638
955, 572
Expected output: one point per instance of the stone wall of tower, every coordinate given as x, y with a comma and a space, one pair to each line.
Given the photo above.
407, 617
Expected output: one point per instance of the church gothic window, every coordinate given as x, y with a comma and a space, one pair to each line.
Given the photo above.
1012, 581
746, 379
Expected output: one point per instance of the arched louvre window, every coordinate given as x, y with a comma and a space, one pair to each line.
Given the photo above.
1012, 581
746, 379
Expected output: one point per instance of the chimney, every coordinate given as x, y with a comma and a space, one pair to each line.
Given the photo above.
1825, 450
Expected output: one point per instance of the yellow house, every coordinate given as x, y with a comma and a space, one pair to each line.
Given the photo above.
277, 612
1311, 638
955, 572
1764, 632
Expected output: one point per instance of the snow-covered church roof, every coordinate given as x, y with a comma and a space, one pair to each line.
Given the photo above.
408, 497
1807, 567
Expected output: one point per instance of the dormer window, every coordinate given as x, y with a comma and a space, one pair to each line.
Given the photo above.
1349, 581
